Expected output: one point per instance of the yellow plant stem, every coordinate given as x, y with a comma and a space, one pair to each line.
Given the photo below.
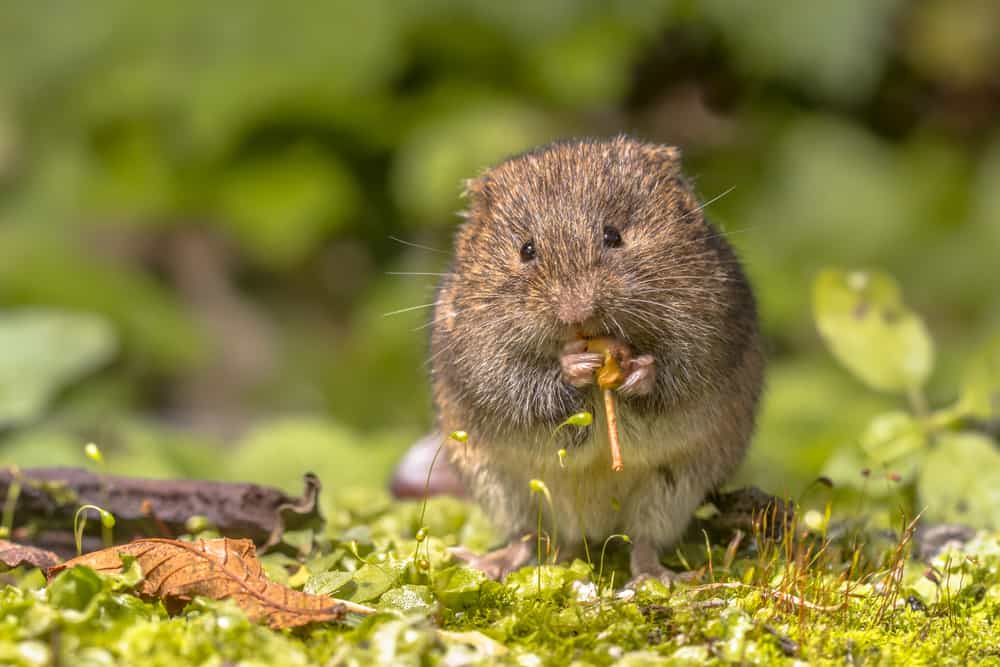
612, 417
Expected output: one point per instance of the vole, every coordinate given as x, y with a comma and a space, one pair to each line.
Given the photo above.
575, 240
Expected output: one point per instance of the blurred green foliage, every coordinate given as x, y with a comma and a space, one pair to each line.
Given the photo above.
947, 459
222, 184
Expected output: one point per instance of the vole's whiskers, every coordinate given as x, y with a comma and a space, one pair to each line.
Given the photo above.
416, 245
706, 204
411, 308
618, 326
440, 317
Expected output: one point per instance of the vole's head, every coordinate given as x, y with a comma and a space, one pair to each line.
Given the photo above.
590, 238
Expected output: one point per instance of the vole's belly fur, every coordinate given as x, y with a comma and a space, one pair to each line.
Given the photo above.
668, 471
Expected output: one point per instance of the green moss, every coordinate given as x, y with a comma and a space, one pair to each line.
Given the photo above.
762, 608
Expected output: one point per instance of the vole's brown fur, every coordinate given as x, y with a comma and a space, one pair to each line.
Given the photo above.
673, 291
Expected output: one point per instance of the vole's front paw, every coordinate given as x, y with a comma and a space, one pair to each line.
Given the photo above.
578, 365
640, 376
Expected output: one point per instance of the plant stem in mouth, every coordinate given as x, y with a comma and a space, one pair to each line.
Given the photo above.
612, 416
609, 378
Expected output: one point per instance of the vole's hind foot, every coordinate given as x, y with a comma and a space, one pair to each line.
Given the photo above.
577, 364
644, 562
640, 376
664, 575
499, 563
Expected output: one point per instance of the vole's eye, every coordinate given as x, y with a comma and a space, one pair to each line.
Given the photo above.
612, 238
528, 251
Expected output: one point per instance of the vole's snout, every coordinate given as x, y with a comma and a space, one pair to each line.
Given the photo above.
575, 306
574, 311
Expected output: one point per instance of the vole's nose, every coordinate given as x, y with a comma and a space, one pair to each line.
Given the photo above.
575, 306
571, 311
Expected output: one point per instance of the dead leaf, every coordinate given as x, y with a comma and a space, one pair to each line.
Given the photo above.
15, 555
222, 569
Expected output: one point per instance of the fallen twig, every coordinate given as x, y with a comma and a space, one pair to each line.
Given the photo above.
49, 497
787, 598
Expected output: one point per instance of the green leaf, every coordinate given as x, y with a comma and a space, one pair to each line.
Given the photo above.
980, 396
75, 588
368, 582
960, 481
328, 583
407, 598
868, 328
41, 351
51, 267
458, 586
892, 436
526, 580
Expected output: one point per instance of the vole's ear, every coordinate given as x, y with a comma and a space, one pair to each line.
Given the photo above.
472, 188
477, 192
667, 158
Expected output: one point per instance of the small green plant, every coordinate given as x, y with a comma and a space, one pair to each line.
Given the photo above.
80, 522
600, 572
10, 503
580, 419
539, 489
947, 459
93, 452
423, 563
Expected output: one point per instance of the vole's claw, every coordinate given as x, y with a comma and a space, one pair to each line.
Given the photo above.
578, 365
640, 376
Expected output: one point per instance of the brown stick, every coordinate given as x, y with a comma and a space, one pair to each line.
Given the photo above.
612, 415
50, 497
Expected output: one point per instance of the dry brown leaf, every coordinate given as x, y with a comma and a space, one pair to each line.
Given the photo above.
176, 571
15, 555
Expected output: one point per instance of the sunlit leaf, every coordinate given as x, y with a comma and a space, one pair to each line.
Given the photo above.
458, 586
41, 351
892, 436
868, 328
407, 598
960, 481
981, 389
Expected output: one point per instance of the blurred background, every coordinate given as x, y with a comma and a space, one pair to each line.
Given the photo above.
204, 206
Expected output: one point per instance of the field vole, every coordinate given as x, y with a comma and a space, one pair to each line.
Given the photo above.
574, 240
